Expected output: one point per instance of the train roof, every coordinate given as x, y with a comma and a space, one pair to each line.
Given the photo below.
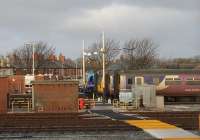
161, 71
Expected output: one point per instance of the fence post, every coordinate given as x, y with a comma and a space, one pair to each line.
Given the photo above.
199, 122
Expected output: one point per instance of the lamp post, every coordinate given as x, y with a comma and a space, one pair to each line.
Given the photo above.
76, 65
33, 56
83, 53
33, 71
103, 76
95, 53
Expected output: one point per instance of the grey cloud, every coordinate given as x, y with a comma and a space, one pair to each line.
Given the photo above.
171, 4
64, 23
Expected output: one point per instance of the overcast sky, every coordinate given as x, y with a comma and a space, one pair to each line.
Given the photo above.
173, 24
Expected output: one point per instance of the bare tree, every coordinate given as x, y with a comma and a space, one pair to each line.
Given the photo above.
140, 53
129, 55
22, 57
112, 50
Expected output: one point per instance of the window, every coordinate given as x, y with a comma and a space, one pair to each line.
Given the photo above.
139, 80
168, 79
130, 81
198, 79
189, 79
172, 82
177, 79
193, 82
156, 81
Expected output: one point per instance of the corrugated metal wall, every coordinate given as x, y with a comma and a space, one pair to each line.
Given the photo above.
16, 84
56, 96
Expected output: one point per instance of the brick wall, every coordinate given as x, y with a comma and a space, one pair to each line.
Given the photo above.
3, 94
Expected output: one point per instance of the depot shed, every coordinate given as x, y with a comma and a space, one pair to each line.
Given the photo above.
55, 96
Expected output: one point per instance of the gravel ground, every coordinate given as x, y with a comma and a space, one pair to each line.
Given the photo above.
196, 132
114, 135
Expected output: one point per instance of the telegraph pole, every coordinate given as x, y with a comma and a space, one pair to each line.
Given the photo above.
83, 53
76, 71
103, 51
33, 57
33, 70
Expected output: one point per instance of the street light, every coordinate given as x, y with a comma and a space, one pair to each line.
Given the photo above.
33, 71
76, 70
33, 57
83, 55
95, 53
33, 47
103, 51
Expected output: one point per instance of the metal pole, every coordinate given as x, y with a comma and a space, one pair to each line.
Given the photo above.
12, 106
83, 63
28, 105
33, 66
76, 71
103, 51
33, 99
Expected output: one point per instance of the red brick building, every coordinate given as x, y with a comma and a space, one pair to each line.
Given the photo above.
52, 68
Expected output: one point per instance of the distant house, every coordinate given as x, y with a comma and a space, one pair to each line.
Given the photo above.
53, 68
48, 68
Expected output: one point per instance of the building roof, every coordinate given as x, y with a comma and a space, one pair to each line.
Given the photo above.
161, 71
49, 65
49, 82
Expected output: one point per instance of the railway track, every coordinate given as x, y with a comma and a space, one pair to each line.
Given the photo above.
44, 122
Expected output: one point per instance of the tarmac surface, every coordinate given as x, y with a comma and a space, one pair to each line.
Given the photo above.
155, 128
116, 116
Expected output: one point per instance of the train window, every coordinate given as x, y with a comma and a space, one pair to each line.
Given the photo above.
197, 79
156, 81
139, 80
170, 99
172, 82
169, 79
177, 79
130, 81
189, 79
193, 82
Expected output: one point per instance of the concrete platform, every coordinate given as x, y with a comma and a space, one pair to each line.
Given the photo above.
162, 130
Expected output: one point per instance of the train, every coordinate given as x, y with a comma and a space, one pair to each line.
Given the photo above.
176, 85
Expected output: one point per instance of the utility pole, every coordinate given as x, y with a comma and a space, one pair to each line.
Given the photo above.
33, 57
103, 51
83, 53
33, 71
76, 71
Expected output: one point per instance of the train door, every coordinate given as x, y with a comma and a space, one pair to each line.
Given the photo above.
107, 85
139, 80
116, 84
